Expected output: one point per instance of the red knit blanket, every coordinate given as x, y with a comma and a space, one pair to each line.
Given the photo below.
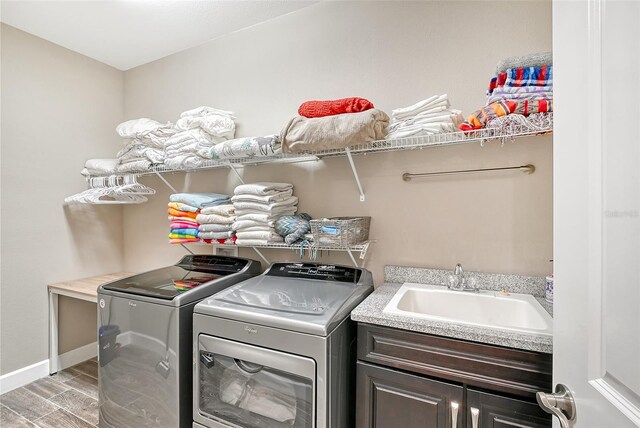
333, 107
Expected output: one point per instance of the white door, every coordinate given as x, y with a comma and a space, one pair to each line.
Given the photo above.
597, 209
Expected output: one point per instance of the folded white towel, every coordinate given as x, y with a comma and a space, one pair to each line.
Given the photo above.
140, 127
250, 224
271, 215
284, 205
214, 218
215, 235
430, 103
260, 217
100, 166
206, 111
262, 189
276, 197
226, 210
214, 227
218, 126
269, 235
249, 242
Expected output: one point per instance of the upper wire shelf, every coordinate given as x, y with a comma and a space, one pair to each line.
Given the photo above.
408, 143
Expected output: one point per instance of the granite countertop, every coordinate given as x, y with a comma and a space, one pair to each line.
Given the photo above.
370, 310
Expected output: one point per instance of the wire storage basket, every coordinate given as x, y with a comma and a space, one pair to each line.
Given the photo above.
340, 231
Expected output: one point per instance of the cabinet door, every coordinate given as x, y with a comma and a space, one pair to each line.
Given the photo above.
501, 412
389, 398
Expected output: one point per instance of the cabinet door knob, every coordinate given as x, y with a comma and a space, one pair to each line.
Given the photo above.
454, 414
475, 413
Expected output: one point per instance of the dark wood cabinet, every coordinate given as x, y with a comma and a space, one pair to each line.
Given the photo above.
408, 379
495, 411
388, 398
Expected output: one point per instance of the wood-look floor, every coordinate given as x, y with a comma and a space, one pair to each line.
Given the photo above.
68, 399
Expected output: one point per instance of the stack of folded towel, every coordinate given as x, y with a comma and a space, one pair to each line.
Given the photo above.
522, 85
184, 226
198, 131
145, 139
430, 116
333, 124
257, 207
184, 208
216, 221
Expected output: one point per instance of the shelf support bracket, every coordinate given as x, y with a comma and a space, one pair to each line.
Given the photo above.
186, 248
165, 181
353, 260
261, 255
233, 168
355, 173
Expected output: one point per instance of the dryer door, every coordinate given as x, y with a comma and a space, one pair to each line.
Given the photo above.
248, 386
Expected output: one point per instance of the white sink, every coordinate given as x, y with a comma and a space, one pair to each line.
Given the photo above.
513, 312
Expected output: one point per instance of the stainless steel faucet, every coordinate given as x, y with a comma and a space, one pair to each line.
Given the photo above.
458, 281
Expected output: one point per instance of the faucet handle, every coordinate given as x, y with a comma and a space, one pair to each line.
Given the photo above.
458, 270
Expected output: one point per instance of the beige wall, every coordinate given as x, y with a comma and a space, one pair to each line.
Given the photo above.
58, 109
394, 54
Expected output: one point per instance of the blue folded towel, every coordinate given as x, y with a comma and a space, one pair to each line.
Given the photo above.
200, 200
185, 231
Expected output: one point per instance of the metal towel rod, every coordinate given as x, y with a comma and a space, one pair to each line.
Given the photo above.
527, 169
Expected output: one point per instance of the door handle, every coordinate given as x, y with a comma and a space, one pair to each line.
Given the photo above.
560, 404
454, 414
475, 413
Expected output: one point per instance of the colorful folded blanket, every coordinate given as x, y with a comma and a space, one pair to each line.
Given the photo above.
333, 107
181, 218
182, 207
183, 240
178, 224
182, 236
479, 118
176, 213
530, 76
200, 200
527, 107
186, 231
303, 135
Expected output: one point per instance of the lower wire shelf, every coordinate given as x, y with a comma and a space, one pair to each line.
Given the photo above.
311, 249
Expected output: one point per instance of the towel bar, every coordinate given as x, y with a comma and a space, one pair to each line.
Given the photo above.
527, 169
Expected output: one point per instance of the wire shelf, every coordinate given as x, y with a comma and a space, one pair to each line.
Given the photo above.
409, 143
282, 246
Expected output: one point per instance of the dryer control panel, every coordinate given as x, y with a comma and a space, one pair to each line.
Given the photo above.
316, 271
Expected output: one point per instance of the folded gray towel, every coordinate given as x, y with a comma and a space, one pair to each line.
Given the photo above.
303, 135
531, 60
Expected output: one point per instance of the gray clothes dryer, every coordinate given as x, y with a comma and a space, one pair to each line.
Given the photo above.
145, 339
278, 350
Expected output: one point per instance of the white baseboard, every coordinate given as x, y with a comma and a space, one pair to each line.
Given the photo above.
23, 376
78, 355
